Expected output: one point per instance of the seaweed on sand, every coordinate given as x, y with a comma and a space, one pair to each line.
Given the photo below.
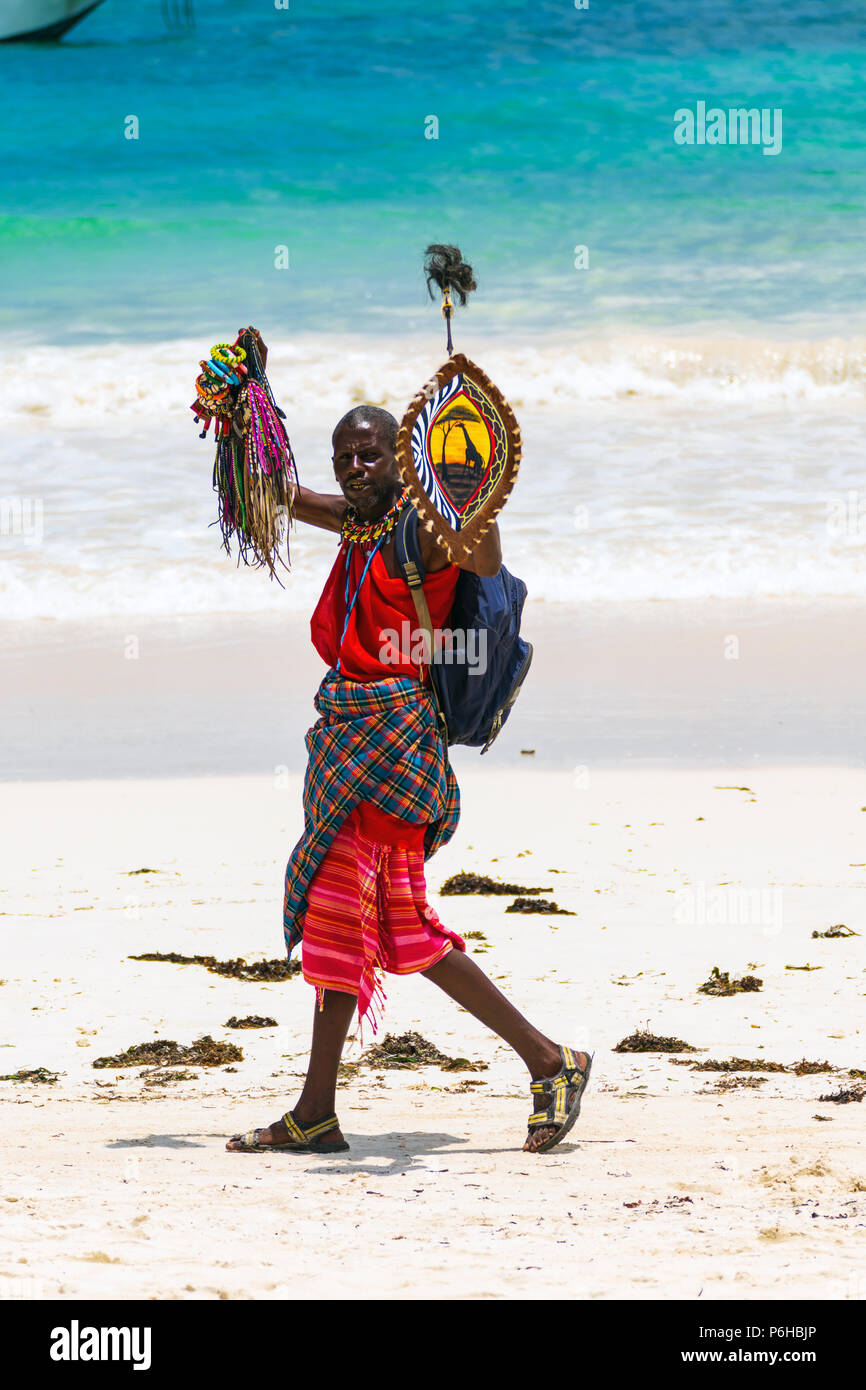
162, 1052
251, 1021
409, 1050
839, 930
458, 885
729, 1064
261, 971
643, 1041
545, 905
483, 946
156, 1077
35, 1074
737, 1064
721, 983
843, 1097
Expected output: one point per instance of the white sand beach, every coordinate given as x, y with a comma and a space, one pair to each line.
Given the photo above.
668, 1187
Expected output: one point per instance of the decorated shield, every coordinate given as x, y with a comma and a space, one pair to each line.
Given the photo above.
458, 449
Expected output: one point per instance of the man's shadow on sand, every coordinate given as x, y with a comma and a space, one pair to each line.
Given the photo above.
414, 1146
410, 1146
401, 1149
157, 1141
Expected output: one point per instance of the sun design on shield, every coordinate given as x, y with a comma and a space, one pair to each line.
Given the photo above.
460, 446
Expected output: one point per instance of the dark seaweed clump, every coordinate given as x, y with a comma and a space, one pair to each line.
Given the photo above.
460, 885
545, 905
165, 1078
204, 1052
737, 1064
262, 971
839, 930
843, 1097
410, 1050
36, 1074
804, 1068
721, 983
251, 1021
801, 1068
642, 1041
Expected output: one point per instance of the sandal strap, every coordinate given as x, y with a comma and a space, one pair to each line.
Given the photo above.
560, 1106
565, 1075
329, 1122
556, 1083
557, 1087
304, 1136
294, 1128
557, 1112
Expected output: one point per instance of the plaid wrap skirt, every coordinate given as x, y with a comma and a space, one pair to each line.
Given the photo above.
367, 911
374, 742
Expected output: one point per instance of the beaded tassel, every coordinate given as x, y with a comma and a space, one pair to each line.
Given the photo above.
254, 473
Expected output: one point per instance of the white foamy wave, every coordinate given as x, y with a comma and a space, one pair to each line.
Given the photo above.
668, 563
660, 472
127, 386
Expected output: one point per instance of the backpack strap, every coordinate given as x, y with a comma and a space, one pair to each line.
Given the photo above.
410, 562
408, 554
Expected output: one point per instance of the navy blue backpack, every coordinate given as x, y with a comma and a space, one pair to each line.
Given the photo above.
473, 701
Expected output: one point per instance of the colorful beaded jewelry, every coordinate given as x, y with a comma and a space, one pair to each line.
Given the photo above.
358, 532
254, 475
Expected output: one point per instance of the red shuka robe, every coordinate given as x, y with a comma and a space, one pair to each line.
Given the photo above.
383, 605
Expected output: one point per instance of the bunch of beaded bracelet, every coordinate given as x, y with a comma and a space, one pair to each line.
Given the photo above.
215, 399
254, 475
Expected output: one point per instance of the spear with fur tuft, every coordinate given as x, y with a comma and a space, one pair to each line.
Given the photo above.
445, 267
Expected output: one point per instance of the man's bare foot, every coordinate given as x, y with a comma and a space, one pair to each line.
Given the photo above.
278, 1133
538, 1136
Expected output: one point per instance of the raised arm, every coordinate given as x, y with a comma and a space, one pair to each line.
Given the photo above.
320, 508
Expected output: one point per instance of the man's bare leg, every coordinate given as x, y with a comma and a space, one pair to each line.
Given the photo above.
459, 976
318, 1097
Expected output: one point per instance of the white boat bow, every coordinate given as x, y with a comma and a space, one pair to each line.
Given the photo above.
41, 19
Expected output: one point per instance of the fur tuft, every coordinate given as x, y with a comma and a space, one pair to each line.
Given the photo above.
445, 267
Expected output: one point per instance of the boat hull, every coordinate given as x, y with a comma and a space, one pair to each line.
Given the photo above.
34, 21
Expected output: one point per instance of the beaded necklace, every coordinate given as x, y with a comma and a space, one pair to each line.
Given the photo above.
358, 532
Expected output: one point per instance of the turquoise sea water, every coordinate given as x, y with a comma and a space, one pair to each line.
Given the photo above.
306, 128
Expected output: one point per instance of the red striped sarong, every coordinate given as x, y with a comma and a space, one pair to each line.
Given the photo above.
367, 910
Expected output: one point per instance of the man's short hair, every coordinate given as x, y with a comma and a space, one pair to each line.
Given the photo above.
370, 415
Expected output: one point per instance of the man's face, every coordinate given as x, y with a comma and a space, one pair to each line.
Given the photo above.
366, 469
